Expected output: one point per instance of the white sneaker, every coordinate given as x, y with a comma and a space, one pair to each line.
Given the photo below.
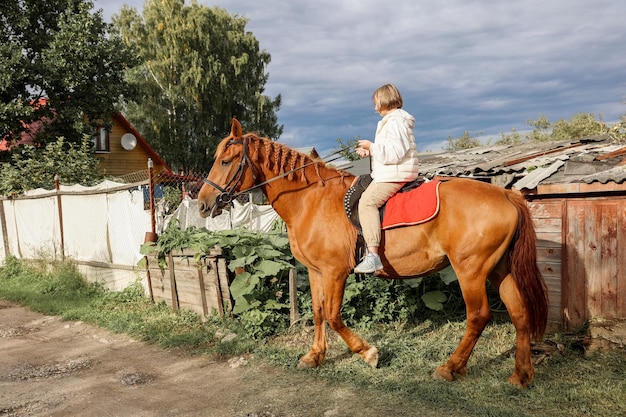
370, 264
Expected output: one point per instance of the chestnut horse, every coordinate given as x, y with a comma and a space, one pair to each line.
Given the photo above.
485, 232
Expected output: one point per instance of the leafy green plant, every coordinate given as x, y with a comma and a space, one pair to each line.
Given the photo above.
173, 197
259, 263
260, 288
262, 262
34, 167
370, 300
198, 240
51, 287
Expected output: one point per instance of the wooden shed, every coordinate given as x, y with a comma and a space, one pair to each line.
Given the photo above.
577, 195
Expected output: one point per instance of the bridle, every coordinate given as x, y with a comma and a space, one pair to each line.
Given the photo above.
228, 194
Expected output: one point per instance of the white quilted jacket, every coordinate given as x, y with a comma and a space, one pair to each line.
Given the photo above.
394, 153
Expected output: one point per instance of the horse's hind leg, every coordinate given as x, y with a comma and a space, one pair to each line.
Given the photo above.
509, 293
478, 315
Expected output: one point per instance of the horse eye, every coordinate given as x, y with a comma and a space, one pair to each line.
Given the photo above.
225, 162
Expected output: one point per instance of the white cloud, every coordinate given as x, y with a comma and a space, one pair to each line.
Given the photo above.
479, 66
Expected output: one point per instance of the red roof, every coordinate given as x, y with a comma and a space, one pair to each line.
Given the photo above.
27, 136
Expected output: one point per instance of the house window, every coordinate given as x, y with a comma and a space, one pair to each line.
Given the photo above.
100, 139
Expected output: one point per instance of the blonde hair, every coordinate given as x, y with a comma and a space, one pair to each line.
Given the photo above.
388, 97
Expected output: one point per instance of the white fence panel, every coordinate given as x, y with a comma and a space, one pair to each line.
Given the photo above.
104, 227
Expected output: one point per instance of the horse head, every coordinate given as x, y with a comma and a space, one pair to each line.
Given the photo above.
232, 171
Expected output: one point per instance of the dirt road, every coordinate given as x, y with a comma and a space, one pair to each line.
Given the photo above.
50, 367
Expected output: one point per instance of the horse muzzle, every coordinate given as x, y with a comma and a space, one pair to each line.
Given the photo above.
214, 208
209, 210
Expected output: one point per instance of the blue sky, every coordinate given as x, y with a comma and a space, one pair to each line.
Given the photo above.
479, 66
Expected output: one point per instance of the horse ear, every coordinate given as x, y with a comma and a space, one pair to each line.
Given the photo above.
235, 130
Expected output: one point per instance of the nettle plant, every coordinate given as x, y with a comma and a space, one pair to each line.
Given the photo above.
260, 264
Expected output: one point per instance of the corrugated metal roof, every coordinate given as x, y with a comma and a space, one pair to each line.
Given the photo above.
617, 174
532, 179
528, 165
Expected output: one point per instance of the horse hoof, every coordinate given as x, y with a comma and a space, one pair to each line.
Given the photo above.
442, 374
309, 361
371, 356
520, 382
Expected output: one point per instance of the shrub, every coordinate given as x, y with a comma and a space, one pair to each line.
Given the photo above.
260, 265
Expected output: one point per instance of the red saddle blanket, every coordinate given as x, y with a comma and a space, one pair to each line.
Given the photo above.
412, 207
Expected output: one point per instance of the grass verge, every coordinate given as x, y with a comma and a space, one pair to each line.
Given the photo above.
567, 384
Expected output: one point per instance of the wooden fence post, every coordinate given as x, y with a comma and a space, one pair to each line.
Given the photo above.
170, 260
5, 233
151, 236
58, 189
205, 308
293, 296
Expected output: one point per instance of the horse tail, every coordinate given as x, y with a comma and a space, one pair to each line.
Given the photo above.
524, 268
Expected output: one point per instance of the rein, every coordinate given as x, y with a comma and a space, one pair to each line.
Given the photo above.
228, 195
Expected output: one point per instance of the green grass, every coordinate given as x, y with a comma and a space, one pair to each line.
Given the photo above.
567, 384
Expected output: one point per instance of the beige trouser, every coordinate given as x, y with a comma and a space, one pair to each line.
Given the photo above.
376, 194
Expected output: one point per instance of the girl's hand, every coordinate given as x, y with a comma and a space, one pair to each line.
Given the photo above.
365, 144
363, 153
364, 148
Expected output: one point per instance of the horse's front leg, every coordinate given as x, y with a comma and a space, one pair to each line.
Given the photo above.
334, 286
317, 354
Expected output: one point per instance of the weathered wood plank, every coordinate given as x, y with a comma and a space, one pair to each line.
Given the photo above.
173, 290
549, 253
549, 239
548, 225
621, 259
591, 255
189, 280
552, 209
574, 285
607, 230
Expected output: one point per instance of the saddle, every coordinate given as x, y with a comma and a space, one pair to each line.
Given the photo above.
416, 202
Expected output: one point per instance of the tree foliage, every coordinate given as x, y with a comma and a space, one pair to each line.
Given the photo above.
465, 141
199, 69
347, 149
513, 138
58, 51
36, 167
578, 126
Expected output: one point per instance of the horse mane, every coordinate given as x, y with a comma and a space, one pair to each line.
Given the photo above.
280, 159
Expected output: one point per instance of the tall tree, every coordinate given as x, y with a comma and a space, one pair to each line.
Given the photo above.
199, 69
59, 51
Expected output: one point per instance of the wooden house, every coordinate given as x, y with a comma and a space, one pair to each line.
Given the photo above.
577, 195
124, 153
